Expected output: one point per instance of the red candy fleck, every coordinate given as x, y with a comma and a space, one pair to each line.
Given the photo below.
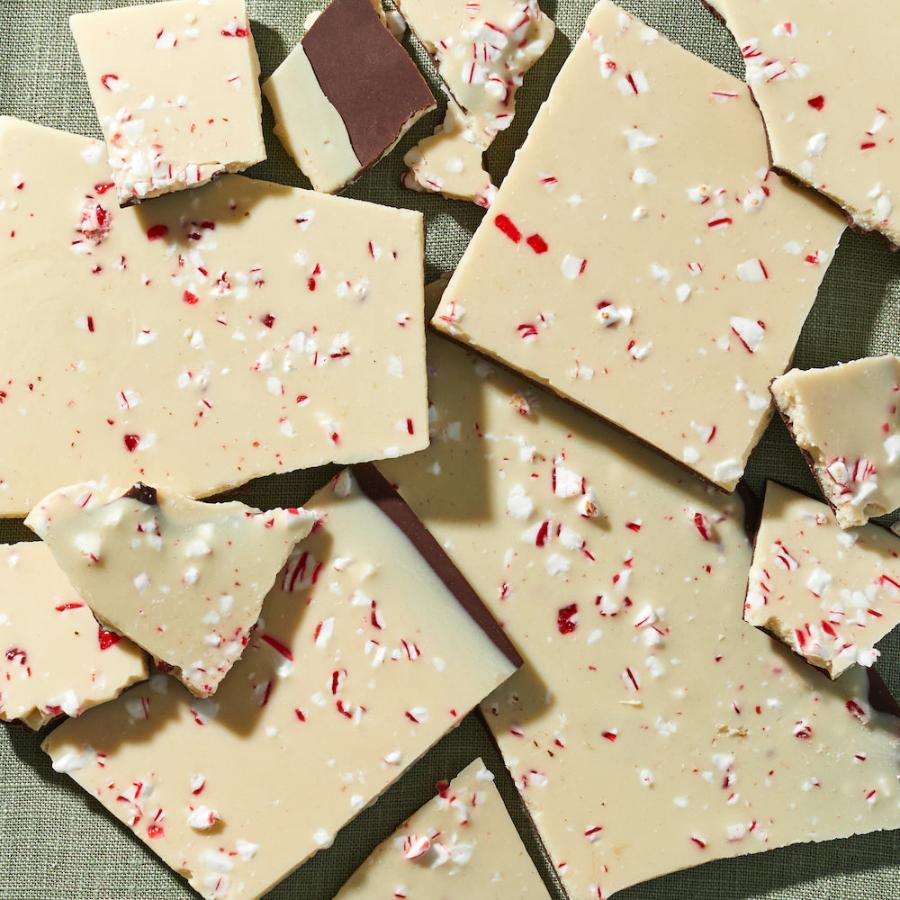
702, 525
156, 232
106, 638
268, 320
817, 103
567, 618
131, 442
190, 298
505, 224
856, 711
277, 646
537, 243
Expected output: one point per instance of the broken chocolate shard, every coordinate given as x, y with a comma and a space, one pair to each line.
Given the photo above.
143, 493
376, 96
382, 493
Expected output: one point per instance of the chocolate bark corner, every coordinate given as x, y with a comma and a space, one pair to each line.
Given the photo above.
380, 491
367, 76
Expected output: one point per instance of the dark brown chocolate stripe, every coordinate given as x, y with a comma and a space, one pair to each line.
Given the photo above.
143, 493
367, 76
379, 490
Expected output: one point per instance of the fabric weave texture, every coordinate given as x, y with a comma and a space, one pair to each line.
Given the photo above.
57, 844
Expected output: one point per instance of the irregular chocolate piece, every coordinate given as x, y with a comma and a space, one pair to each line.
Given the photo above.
482, 51
363, 660
846, 421
346, 94
461, 843
665, 288
817, 70
54, 658
202, 340
646, 698
184, 580
176, 88
828, 594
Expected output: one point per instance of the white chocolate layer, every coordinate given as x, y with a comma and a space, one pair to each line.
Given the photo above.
54, 658
482, 52
653, 729
310, 128
846, 420
664, 287
176, 89
460, 844
817, 70
362, 661
184, 580
198, 342
828, 594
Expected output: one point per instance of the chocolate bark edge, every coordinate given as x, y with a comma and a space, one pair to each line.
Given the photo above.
383, 494
366, 75
880, 696
545, 387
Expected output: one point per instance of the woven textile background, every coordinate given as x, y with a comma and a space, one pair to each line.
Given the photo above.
55, 844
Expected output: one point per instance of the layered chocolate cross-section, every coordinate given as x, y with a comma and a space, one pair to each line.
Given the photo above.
346, 95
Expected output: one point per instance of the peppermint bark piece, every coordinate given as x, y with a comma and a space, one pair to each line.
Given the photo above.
54, 658
666, 288
482, 52
830, 595
646, 699
198, 342
365, 657
461, 842
176, 89
346, 95
846, 421
184, 580
815, 69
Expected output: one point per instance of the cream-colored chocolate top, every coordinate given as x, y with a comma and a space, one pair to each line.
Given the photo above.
846, 420
482, 51
816, 68
176, 89
54, 658
665, 288
182, 579
829, 594
461, 843
362, 661
450, 162
654, 729
200, 341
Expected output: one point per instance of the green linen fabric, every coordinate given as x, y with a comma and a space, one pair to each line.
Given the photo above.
56, 844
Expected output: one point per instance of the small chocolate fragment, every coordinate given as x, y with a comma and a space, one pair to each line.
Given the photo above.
143, 493
369, 78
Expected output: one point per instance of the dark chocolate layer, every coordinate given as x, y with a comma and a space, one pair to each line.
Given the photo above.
379, 490
366, 75
143, 493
